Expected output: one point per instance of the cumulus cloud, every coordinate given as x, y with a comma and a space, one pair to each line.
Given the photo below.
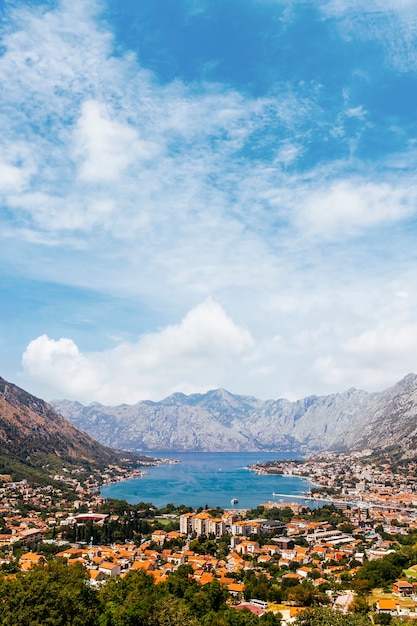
191, 356
46, 360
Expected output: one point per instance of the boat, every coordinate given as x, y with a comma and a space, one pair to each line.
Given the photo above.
234, 501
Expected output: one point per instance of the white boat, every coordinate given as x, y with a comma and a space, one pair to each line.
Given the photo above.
234, 501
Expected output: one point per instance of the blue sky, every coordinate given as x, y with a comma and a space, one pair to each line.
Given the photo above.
198, 194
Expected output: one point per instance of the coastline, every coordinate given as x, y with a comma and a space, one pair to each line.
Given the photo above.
197, 482
137, 472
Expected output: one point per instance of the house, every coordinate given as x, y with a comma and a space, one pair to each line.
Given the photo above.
264, 558
284, 543
206, 577
96, 576
159, 577
293, 576
403, 588
144, 566
159, 537
271, 549
304, 571
247, 547
234, 562
235, 588
249, 606
177, 558
29, 560
168, 568
343, 602
70, 553
289, 613
387, 606
110, 569
245, 528
31, 535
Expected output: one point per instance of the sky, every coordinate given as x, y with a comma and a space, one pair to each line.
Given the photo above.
207, 193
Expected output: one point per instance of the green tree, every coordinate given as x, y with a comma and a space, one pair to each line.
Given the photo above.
172, 612
385, 571
54, 595
327, 617
360, 604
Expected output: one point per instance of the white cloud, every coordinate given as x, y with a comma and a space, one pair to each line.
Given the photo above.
161, 194
10, 177
393, 23
347, 207
357, 112
46, 361
108, 146
398, 344
192, 356
372, 360
288, 152
103, 135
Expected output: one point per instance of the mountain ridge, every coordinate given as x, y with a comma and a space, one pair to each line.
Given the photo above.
221, 421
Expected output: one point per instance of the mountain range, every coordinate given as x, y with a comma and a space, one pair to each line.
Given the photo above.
222, 421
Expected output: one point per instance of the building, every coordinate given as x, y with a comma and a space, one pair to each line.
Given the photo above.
202, 524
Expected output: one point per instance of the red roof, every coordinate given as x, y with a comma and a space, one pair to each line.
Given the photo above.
253, 609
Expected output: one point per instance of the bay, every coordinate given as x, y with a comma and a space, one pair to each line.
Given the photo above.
209, 478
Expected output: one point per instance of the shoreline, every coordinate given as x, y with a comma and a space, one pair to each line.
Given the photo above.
198, 481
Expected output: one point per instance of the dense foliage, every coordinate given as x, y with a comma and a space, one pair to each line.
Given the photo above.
327, 617
59, 595
383, 572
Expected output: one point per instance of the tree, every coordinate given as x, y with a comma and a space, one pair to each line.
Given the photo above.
53, 595
359, 604
180, 581
270, 619
327, 617
385, 571
172, 612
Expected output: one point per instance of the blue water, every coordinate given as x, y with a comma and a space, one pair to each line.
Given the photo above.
211, 478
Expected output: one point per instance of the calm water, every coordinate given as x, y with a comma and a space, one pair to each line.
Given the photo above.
210, 478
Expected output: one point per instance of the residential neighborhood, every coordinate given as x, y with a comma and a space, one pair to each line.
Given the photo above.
282, 557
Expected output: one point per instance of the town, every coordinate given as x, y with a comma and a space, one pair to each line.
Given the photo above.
348, 549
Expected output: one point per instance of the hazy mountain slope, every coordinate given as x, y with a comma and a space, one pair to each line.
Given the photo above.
316, 422
220, 421
172, 424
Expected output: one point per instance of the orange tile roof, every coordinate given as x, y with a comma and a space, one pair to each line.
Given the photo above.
387, 604
206, 578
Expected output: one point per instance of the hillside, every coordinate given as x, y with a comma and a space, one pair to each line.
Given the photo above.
33, 436
221, 421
